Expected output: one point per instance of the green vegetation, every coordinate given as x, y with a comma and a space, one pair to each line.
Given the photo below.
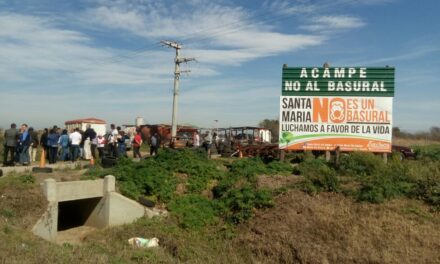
198, 191
428, 152
212, 205
367, 178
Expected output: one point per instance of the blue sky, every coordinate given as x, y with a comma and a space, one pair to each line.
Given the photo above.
62, 60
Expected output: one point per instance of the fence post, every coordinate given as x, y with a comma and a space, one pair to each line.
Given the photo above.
338, 155
282, 155
385, 157
328, 155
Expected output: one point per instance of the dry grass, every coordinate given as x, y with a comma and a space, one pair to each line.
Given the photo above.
330, 228
326, 228
411, 142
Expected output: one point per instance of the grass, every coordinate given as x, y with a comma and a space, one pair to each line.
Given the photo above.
360, 211
365, 177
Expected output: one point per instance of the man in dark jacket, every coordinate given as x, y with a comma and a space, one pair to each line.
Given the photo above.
11, 137
34, 144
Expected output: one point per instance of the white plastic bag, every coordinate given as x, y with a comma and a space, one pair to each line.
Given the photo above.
139, 242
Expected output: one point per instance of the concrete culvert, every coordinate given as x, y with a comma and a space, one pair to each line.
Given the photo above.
81, 206
76, 213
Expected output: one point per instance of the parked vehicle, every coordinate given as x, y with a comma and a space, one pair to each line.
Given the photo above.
405, 152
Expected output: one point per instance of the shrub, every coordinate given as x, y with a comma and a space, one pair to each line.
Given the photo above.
378, 188
279, 167
235, 196
248, 168
238, 204
318, 176
427, 183
431, 152
193, 211
389, 182
27, 179
360, 164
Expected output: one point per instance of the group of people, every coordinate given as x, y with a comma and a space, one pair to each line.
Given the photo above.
21, 144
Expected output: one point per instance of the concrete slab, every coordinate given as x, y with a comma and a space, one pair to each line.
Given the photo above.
122, 210
76, 190
56, 166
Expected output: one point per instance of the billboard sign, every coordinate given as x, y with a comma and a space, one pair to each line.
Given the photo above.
326, 108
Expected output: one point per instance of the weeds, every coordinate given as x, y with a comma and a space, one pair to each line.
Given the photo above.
193, 211
429, 152
235, 195
318, 176
27, 179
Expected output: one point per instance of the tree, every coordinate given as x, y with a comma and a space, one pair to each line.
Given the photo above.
273, 125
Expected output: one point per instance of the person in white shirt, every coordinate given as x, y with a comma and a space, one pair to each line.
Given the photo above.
75, 139
100, 141
196, 140
113, 142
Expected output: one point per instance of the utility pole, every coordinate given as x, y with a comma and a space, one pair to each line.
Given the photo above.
177, 72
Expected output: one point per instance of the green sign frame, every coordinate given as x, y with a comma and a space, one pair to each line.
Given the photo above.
338, 81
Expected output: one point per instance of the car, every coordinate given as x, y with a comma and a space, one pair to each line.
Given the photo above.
405, 152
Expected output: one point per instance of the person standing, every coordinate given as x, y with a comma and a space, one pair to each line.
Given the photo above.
113, 142
64, 143
34, 145
43, 140
52, 145
81, 145
24, 143
122, 147
196, 140
100, 142
137, 142
75, 141
89, 136
207, 142
154, 144
11, 138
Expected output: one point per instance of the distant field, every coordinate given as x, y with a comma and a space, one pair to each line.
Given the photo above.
411, 142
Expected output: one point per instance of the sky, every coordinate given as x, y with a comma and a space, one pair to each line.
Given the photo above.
64, 60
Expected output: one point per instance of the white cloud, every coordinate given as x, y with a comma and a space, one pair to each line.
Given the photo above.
34, 48
298, 7
333, 23
220, 34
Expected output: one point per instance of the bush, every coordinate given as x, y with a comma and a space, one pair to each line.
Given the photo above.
237, 205
193, 211
430, 152
27, 179
378, 188
394, 180
427, 183
248, 168
360, 164
318, 176
235, 196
